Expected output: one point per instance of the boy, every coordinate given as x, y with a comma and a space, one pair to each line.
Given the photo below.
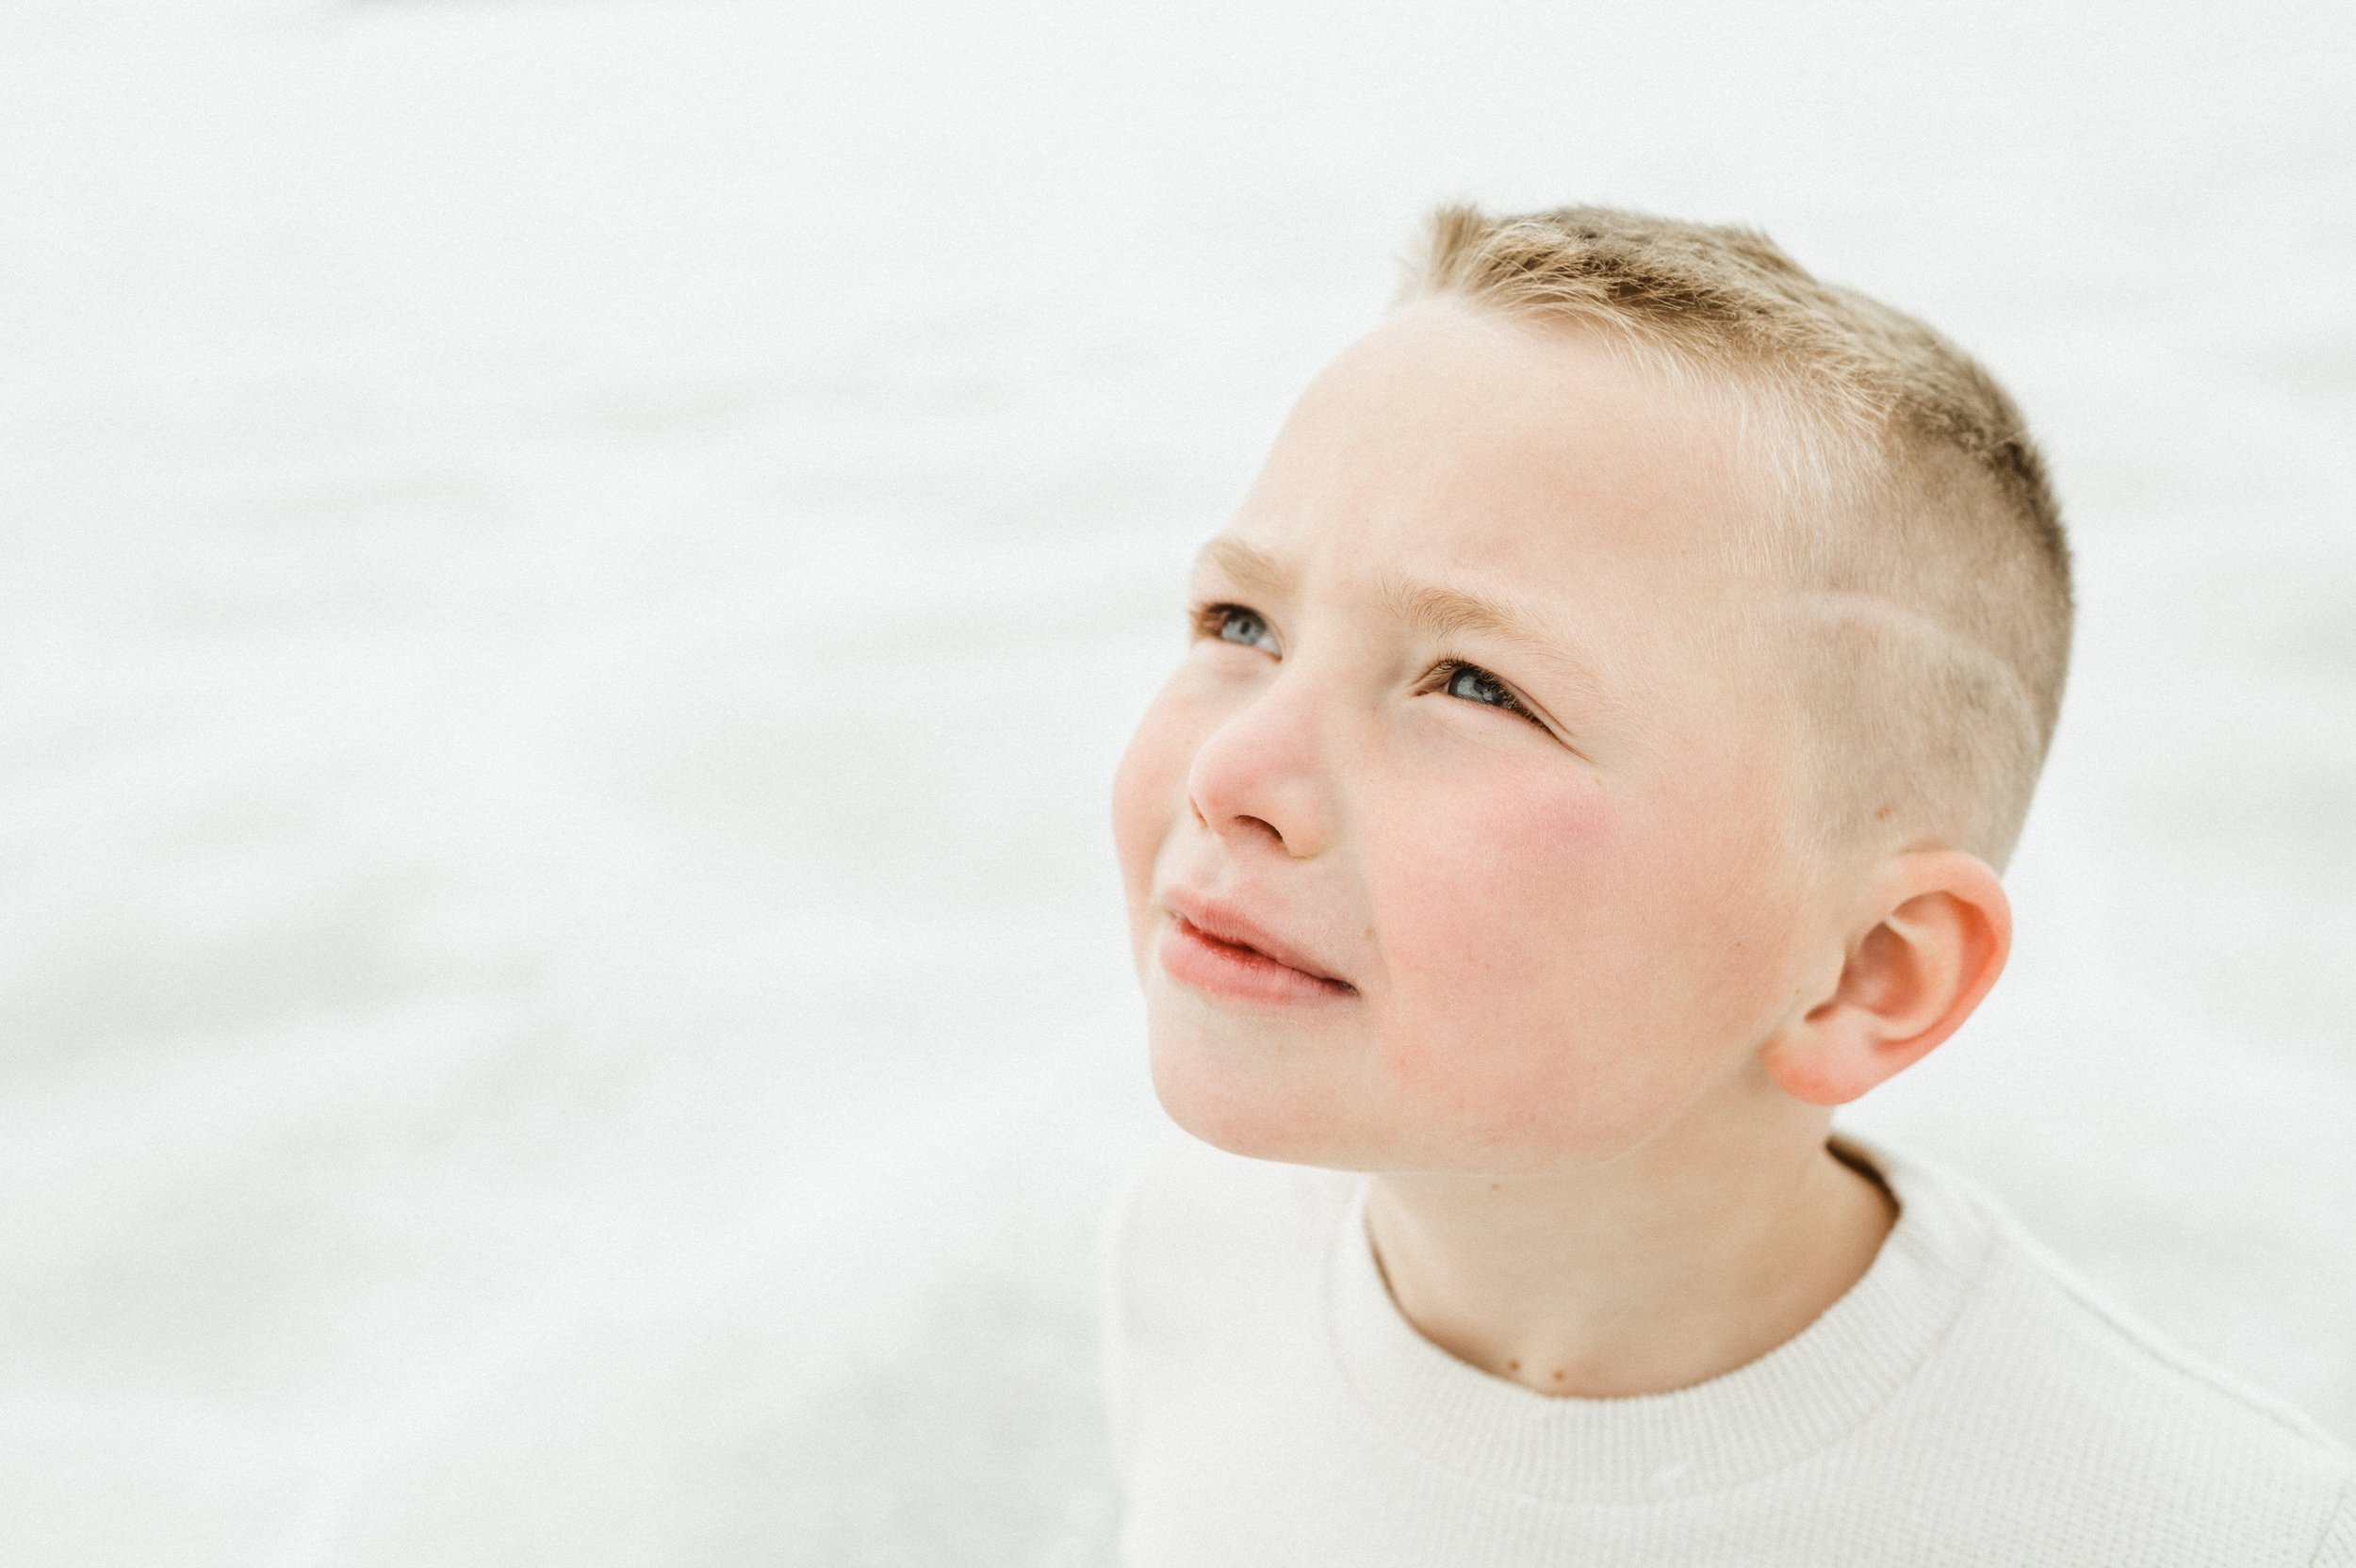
1605, 720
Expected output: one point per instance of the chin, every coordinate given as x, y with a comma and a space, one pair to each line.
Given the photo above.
1252, 1108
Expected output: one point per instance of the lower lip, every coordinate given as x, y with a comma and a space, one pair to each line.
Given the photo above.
1191, 957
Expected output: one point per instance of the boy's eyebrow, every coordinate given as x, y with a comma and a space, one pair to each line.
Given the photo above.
1450, 612
1247, 565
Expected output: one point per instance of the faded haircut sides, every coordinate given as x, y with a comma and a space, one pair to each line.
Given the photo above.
1921, 621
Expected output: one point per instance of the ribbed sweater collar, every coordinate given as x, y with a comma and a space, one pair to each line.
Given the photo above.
1797, 1398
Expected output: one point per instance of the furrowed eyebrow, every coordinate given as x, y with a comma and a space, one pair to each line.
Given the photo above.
1442, 613
1450, 611
1247, 566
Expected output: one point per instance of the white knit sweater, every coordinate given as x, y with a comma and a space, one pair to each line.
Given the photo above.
1968, 1402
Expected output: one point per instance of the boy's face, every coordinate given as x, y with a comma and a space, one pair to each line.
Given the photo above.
1459, 839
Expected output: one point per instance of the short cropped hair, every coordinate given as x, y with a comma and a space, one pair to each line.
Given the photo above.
1924, 605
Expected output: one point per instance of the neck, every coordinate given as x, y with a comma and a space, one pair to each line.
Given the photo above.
1694, 1254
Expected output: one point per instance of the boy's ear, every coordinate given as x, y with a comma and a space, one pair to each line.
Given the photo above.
1940, 927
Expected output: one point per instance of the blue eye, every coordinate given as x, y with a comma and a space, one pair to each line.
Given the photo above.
1475, 685
1232, 623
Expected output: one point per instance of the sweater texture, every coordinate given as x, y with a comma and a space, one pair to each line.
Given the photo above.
1968, 1402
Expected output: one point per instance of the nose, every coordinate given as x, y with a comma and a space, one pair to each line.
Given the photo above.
1258, 778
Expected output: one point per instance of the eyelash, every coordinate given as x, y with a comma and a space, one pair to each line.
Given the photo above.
1444, 674
1210, 619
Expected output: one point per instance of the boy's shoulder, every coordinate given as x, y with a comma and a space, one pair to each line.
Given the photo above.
2083, 1375
2027, 1282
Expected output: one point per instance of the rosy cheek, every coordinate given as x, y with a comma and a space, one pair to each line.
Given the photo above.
1503, 926
1141, 789
1149, 789
1469, 901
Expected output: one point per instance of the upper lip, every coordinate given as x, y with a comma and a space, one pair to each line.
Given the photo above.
1224, 921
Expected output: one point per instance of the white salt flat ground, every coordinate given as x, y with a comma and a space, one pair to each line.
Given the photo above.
571, 577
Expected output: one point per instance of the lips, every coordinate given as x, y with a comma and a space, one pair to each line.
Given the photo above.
1214, 947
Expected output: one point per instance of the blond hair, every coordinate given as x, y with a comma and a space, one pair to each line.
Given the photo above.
1924, 605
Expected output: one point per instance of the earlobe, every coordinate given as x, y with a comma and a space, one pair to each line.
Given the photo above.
1939, 929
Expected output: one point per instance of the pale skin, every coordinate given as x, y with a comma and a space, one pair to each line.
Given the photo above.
1463, 849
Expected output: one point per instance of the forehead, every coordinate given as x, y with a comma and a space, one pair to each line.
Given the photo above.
1460, 448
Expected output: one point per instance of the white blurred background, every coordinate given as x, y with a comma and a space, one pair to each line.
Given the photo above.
572, 575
